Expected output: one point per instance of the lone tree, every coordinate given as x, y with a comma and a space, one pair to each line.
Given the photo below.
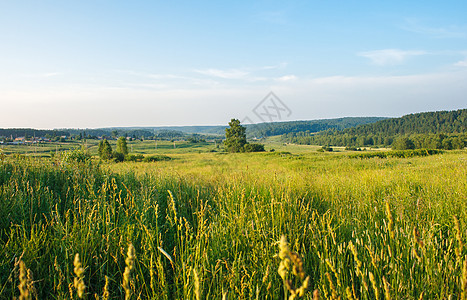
122, 146
235, 137
105, 150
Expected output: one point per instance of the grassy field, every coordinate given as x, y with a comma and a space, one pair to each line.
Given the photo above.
207, 225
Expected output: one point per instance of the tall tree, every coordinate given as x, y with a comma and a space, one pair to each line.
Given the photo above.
122, 146
105, 150
235, 137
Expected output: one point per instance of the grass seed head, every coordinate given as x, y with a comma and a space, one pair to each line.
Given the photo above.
79, 279
130, 264
24, 293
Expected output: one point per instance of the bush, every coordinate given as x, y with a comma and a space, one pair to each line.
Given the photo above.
118, 156
78, 155
397, 153
253, 147
134, 157
154, 158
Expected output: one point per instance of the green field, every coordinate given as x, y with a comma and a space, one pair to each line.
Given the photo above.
207, 225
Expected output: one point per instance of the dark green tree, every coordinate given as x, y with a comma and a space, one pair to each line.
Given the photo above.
253, 147
403, 143
235, 137
122, 146
105, 150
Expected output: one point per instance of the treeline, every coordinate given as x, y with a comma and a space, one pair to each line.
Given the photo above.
414, 141
29, 132
433, 130
126, 132
279, 128
108, 133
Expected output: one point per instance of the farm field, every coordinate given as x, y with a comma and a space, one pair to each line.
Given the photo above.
207, 225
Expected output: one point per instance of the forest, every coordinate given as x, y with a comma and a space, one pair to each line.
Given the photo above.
434, 130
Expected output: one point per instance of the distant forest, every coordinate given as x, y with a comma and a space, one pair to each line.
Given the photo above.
30, 133
279, 128
175, 132
434, 130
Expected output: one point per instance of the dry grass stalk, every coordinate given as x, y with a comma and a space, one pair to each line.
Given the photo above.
460, 242
387, 294
464, 280
375, 285
24, 293
196, 284
390, 220
130, 264
292, 261
315, 295
79, 279
106, 294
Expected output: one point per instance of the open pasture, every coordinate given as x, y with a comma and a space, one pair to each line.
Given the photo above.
206, 225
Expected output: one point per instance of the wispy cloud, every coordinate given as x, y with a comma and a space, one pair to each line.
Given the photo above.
43, 75
451, 31
390, 56
461, 63
282, 65
248, 74
308, 98
224, 74
287, 78
150, 75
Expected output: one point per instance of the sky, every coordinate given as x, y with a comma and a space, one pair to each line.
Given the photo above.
102, 63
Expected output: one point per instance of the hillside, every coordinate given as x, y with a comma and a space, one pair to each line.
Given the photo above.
256, 130
440, 129
278, 128
175, 132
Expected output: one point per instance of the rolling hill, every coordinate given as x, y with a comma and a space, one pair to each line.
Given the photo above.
440, 130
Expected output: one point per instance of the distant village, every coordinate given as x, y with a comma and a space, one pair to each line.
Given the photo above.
29, 139
22, 140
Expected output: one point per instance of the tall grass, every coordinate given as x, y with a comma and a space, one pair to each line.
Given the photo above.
207, 226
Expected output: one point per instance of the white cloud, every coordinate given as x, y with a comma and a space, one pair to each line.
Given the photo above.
274, 67
461, 63
450, 31
390, 56
148, 102
225, 74
287, 78
339, 96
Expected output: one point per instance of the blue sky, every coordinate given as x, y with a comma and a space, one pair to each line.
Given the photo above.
150, 63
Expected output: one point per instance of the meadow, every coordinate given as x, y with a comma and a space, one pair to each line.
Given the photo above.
208, 225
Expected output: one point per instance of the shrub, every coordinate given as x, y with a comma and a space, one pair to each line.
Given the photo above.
397, 153
118, 156
154, 158
253, 147
78, 155
134, 157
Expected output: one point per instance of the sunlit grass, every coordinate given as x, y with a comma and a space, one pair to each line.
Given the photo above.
207, 225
